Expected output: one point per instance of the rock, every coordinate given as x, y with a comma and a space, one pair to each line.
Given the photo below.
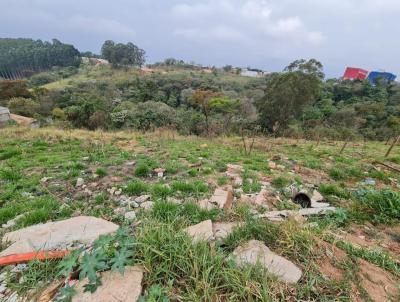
316, 211
115, 287
131, 215
203, 146
45, 179
118, 192
120, 211
13, 222
316, 196
57, 235
201, 231
142, 198
3, 288
221, 230
280, 167
246, 199
369, 182
147, 205
254, 252
261, 197
130, 163
238, 181
86, 158
223, 197
80, 182
205, 204
174, 200
112, 190
272, 165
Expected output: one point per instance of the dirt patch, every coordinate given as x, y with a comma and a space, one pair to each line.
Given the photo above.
331, 255
311, 176
379, 284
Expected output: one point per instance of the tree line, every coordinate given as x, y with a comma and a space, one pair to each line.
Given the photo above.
23, 57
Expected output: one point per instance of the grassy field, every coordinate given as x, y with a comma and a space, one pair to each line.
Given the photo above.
336, 252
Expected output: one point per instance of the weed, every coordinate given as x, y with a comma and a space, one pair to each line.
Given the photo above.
142, 170
332, 189
101, 172
337, 174
223, 180
136, 187
161, 191
10, 175
280, 182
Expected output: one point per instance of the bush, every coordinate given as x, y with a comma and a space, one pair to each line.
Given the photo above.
142, 170
22, 106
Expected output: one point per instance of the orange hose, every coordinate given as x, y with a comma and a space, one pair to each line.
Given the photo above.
25, 257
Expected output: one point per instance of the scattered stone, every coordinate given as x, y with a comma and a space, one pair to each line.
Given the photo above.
174, 200
45, 179
222, 230
316, 196
86, 158
223, 197
130, 163
80, 182
272, 165
112, 190
130, 215
201, 231
12, 222
115, 287
261, 197
142, 198
159, 172
118, 192
147, 205
203, 146
369, 182
120, 211
280, 167
57, 235
88, 192
238, 181
3, 288
316, 211
255, 251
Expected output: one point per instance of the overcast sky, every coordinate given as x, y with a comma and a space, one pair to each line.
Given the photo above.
267, 34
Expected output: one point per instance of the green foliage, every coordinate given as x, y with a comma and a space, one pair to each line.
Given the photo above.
378, 206
142, 170
101, 172
122, 54
280, 182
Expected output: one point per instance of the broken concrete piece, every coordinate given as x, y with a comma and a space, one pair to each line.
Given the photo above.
159, 172
272, 165
222, 230
57, 235
201, 231
316, 196
115, 287
223, 197
246, 199
282, 215
206, 205
254, 252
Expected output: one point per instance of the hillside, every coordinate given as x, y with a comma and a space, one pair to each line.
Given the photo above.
154, 185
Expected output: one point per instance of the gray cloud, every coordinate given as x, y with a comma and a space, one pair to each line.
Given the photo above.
258, 33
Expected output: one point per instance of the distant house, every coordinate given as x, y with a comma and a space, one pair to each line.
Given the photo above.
375, 76
4, 114
254, 73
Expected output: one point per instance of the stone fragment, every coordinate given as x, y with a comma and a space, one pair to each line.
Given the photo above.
222, 230
223, 197
80, 182
159, 172
57, 235
131, 215
147, 205
254, 252
205, 204
115, 287
201, 231
261, 197
142, 198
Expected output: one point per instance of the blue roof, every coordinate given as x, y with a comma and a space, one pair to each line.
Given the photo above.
374, 76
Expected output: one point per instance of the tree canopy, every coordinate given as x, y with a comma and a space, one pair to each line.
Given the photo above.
123, 54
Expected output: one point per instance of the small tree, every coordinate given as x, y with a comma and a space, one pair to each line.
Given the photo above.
201, 99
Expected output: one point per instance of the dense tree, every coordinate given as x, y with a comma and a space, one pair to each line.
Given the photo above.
289, 92
123, 54
21, 57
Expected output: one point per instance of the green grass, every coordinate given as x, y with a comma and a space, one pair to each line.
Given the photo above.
136, 187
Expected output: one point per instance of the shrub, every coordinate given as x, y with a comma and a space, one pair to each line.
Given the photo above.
142, 170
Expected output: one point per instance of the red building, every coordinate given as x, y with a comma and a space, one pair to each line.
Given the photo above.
355, 74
